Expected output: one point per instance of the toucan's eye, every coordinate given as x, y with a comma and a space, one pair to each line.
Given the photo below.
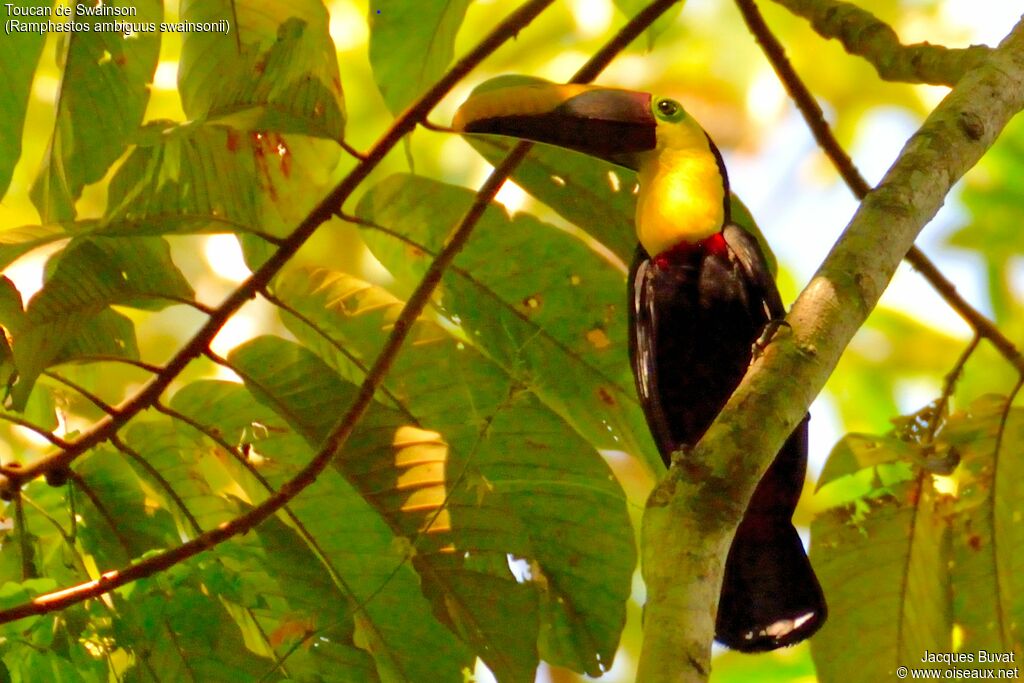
669, 110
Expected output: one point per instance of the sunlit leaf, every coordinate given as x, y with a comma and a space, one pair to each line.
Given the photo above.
988, 588
411, 44
277, 72
173, 453
513, 456
396, 625
855, 452
101, 102
18, 58
209, 178
191, 637
536, 300
898, 545
116, 527
89, 275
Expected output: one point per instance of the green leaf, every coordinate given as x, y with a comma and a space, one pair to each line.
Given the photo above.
209, 178
69, 314
172, 450
189, 178
988, 588
513, 458
305, 595
277, 72
46, 666
316, 605
594, 195
539, 302
123, 528
856, 452
896, 547
17, 242
189, 637
630, 8
19, 55
102, 99
396, 625
411, 44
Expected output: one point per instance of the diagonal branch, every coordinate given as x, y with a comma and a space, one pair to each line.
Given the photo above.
151, 391
865, 35
343, 429
686, 527
815, 119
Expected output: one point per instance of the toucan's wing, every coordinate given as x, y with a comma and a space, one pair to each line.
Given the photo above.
643, 347
747, 251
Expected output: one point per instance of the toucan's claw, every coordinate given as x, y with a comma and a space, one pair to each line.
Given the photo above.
771, 328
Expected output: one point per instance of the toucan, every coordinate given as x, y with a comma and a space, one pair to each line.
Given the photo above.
700, 295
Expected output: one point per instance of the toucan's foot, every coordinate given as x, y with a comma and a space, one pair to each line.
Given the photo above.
680, 454
768, 333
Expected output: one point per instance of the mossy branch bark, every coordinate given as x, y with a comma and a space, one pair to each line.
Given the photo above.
865, 35
692, 514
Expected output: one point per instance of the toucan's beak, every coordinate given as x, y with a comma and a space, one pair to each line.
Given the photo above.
607, 123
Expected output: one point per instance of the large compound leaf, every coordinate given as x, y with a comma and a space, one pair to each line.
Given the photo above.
932, 552
173, 452
121, 528
897, 545
485, 604
411, 44
307, 597
278, 70
101, 102
82, 281
209, 178
392, 617
514, 453
988, 538
19, 55
313, 605
533, 298
116, 526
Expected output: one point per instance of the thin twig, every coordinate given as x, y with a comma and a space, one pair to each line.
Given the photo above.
24, 547
135, 363
101, 508
159, 478
952, 377
352, 151
36, 429
822, 132
79, 389
335, 344
410, 312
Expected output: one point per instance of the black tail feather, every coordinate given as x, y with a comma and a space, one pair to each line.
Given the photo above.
770, 596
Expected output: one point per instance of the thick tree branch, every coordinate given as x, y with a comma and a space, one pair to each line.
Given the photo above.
815, 119
340, 433
865, 35
692, 514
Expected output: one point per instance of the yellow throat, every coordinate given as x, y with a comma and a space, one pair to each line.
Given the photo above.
681, 189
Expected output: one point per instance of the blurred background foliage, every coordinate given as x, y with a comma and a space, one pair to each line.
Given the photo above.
702, 55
